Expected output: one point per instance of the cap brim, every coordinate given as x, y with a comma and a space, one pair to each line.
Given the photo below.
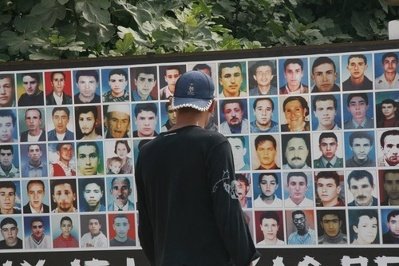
198, 104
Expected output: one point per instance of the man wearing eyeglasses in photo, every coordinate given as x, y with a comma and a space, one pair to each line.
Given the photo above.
38, 239
9, 231
172, 74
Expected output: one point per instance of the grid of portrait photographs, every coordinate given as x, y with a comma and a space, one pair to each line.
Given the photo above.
315, 141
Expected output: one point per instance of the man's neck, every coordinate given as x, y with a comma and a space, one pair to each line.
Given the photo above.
267, 199
86, 99
389, 117
264, 89
8, 211
121, 239
303, 231
359, 161
326, 127
360, 120
142, 96
35, 163
59, 94
6, 168
65, 162
243, 202
331, 203
269, 166
116, 95
38, 238
390, 77
264, 126
91, 135
297, 201
357, 81
226, 94
35, 132
36, 209
294, 89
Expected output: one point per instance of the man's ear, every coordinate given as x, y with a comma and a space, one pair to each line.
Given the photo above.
212, 107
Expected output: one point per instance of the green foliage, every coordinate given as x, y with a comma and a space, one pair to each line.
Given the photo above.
57, 29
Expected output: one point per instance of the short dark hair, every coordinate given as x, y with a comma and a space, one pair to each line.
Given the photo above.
149, 70
57, 182
60, 108
392, 132
262, 99
325, 135
87, 72
390, 171
265, 174
323, 60
10, 113
86, 181
7, 147
388, 101
391, 214
149, 107
8, 184
86, 109
322, 213
300, 99
124, 142
359, 174
262, 138
66, 218
60, 144
241, 138
35, 181
297, 212
8, 220
262, 63
360, 94
362, 56
269, 215
240, 103
36, 219
324, 97
230, 65
302, 174
360, 135
88, 143
293, 61
120, 215
57, 72
117, 71
328, 175
389, 54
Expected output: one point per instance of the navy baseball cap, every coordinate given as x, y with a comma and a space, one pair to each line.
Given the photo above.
194, 89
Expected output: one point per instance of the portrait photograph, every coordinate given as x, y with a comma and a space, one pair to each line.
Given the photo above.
62, 159
88, 122
363, 226
86, 86
265, 152
7, 83
387, 109
389, 225
137, 144
38, 225
30, 89
60, 123
240, 148
10, 200
168, 75
358, 110
326, 112
115, 85
65, 230
295, 113
168, 116
120, 193
58, 87
388, 181
298, 190
267, 190
118, 157
33, 190
34, 161
64, 195
331, 227
262, 77
269, 228
90, 160
296, 151
144, 83
361, 188
122, 229
9, 225
360, 148
357, 72
293, 75
8, 126
300, 220
232, 79
325, 74
93, 225
145, 117
91, 194
9, 159
329, 188
328, 150
386, 70
32, 124
264, 115
233, 116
